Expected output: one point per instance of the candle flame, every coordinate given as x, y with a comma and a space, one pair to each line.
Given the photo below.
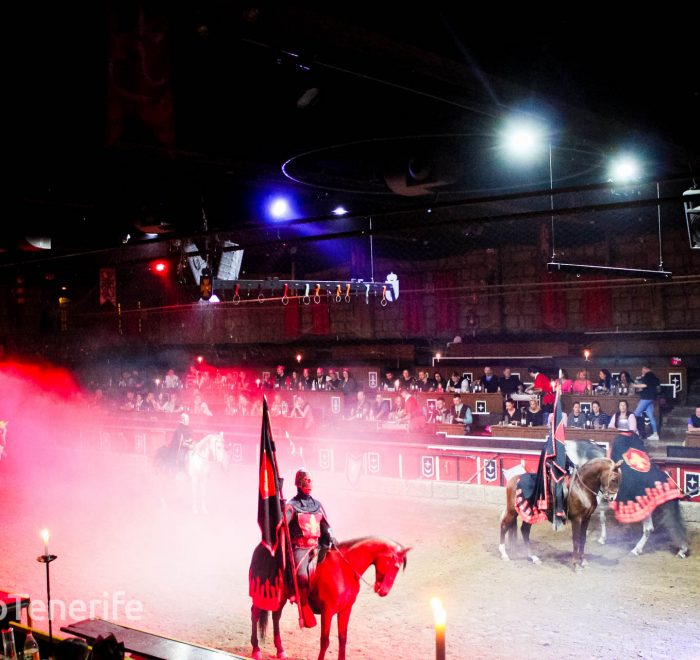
438, 356
45, 536
438, 611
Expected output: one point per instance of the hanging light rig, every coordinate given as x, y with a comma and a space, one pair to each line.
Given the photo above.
308, 292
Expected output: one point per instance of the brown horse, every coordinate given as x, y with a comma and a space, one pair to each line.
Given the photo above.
599, 474
334, 588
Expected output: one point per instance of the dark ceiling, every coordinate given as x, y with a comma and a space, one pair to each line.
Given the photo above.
179, 118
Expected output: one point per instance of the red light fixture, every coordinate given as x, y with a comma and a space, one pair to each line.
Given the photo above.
160, 267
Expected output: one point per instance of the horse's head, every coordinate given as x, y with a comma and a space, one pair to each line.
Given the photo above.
610, 481
218, 448
386, 566
211, 447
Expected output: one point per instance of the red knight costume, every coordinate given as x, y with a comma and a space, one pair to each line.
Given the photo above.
310, 535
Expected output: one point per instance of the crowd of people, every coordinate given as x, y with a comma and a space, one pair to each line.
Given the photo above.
206, 391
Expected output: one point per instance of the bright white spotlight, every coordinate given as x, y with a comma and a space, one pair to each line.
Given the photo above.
624, 169
279, 209
339, 210
523, 140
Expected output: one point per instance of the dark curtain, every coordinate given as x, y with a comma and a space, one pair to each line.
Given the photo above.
139, 80
446, 306
597, 305
413, 309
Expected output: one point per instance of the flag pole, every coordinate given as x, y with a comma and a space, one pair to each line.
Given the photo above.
285, 526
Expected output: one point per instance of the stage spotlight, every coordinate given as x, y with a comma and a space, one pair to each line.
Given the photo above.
206, 283
160, 267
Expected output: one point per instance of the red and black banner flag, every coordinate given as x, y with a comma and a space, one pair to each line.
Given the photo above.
558, 425
269, 497
267, 567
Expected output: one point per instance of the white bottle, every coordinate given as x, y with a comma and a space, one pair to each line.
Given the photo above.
31, 648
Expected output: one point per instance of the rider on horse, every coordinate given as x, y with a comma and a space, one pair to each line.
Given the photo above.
310, 534
181, 442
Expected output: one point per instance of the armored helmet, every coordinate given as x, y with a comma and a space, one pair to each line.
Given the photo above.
303, 481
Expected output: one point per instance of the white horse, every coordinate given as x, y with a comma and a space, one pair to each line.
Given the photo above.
208, 451
669, 514
199, 461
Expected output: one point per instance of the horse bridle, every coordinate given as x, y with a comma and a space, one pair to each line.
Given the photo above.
352, 568
604, 490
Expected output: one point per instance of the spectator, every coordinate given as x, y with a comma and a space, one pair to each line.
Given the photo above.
302, 409
307, 381
380, 408
535, 413
604, 380
694, 420
567, 385
597, 418
648, 386
200, 407
508, 383
624, 382
348, 383
320, 380
279, 407
461, 412
582, 385
623, 420
577, 418
172, 380
439, 382
333, 381
541, 385
281, 381
361, 409
488, 381
454, 384
511, 415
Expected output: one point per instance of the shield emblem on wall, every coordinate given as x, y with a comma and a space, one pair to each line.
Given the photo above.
490, 470
324, 459
481, 406
372, 378
428, 467
691, 483
335, 405
353, 468
677, 380
373, 465
237, 452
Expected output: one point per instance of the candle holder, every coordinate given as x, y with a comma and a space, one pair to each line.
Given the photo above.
47, 559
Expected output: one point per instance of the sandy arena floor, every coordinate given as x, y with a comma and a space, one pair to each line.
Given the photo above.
189, 573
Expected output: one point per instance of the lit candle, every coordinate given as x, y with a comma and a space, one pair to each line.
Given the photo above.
438, 356
440, 619
45, 538
299, 358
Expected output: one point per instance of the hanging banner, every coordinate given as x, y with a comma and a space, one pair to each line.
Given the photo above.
108, 286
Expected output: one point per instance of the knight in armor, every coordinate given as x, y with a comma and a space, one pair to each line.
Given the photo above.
181, 442
311, 537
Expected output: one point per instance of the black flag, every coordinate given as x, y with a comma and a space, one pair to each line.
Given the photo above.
269, 496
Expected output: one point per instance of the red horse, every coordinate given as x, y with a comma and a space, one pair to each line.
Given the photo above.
334, 588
